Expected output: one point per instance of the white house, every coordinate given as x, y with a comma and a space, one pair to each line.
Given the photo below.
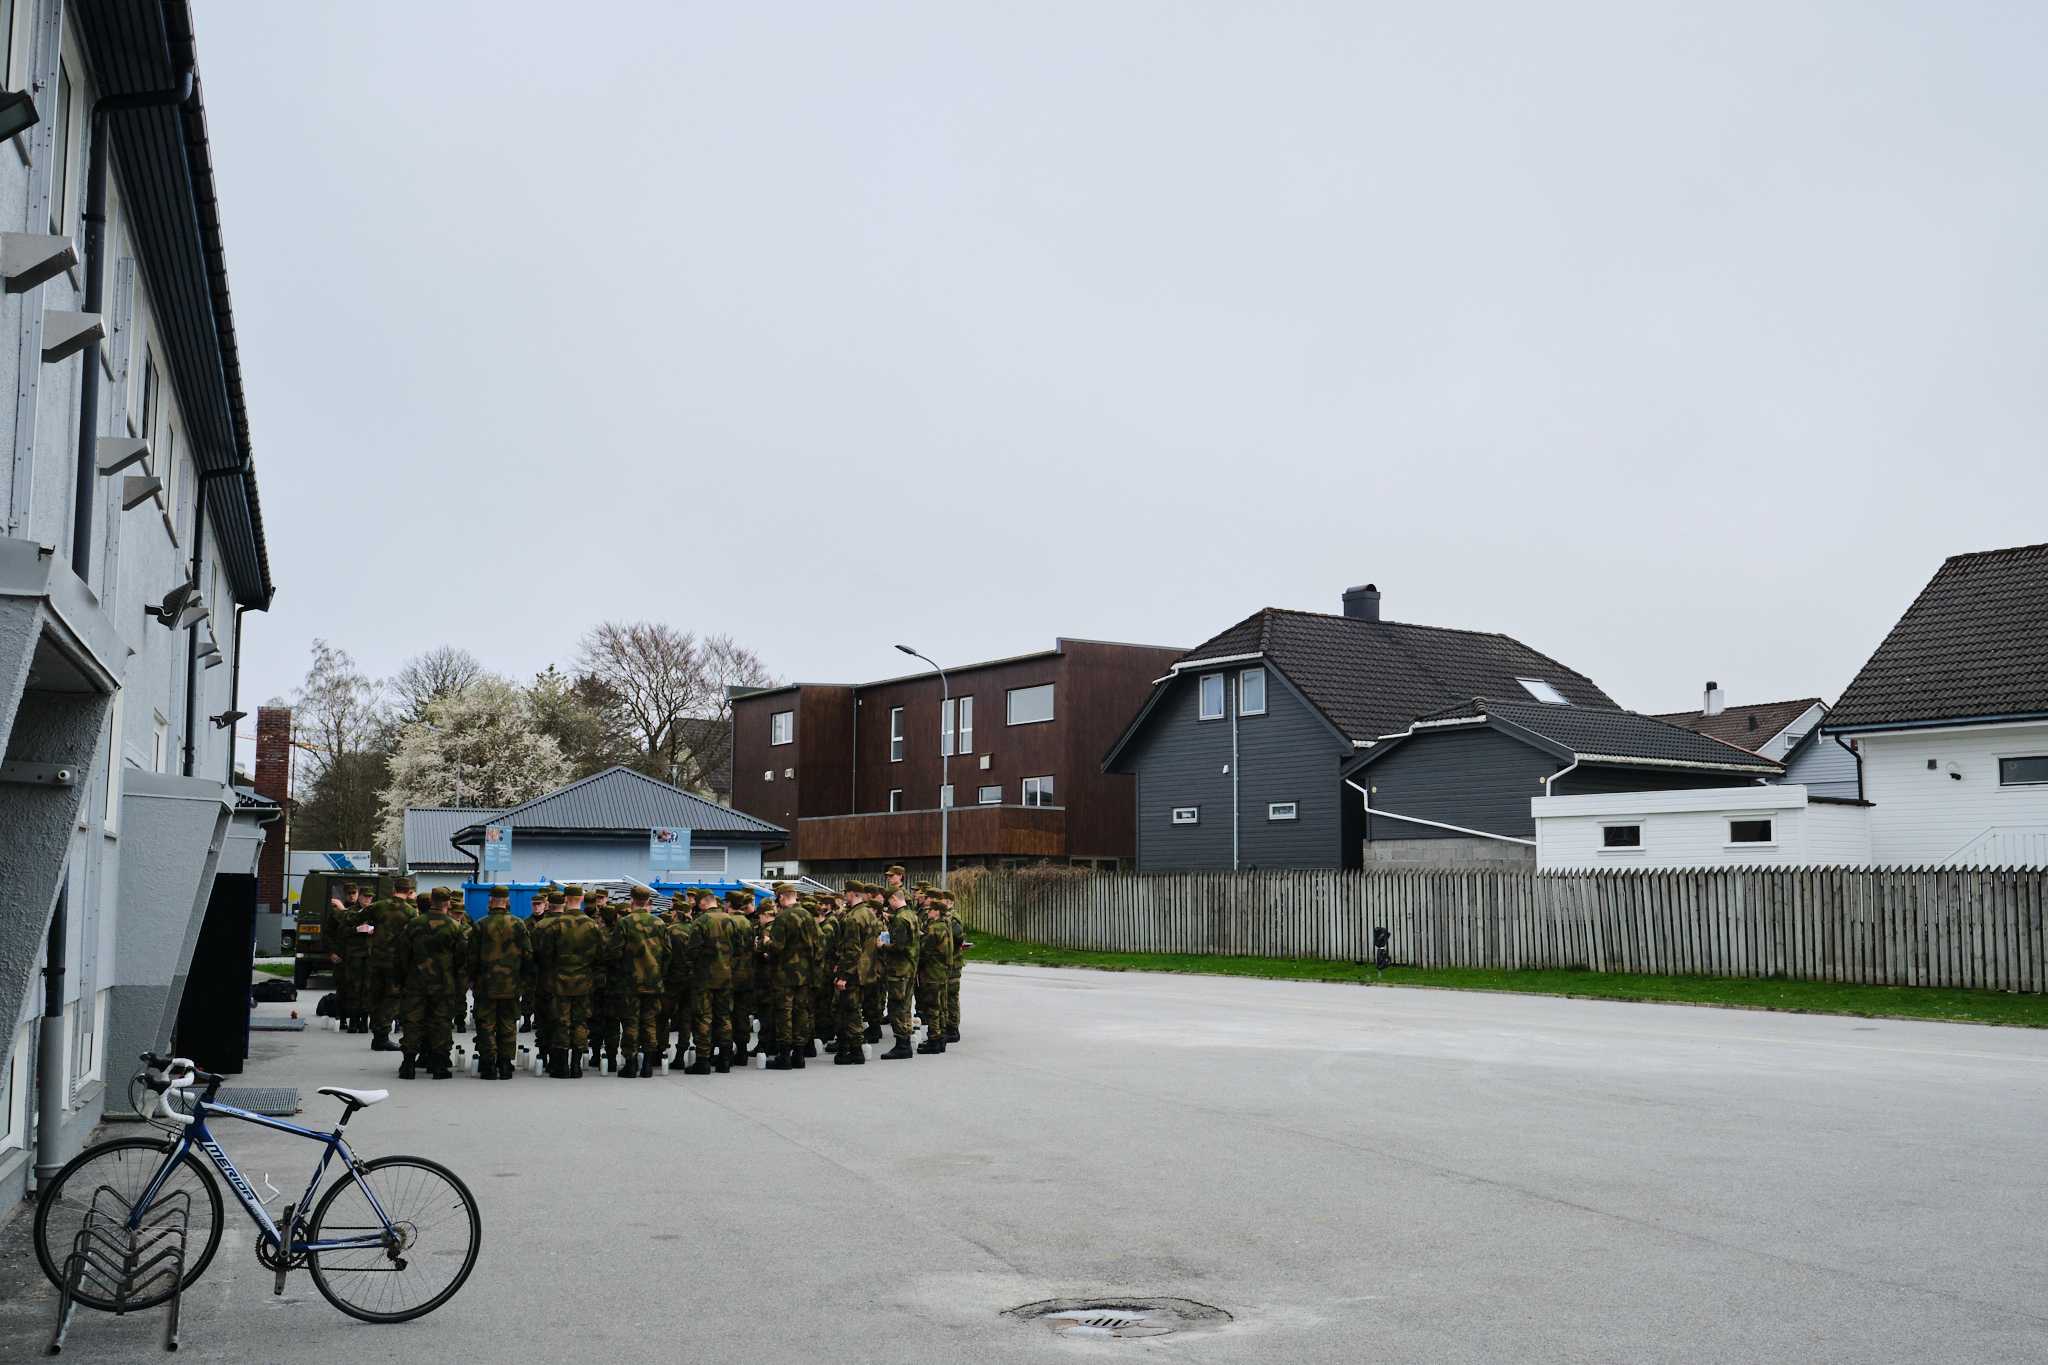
1758, 826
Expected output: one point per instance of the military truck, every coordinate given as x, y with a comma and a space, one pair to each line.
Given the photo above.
309, 954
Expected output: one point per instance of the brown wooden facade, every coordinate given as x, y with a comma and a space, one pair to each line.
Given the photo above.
838, 762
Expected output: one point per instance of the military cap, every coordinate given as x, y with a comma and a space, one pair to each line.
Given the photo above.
438, 895
704, 893
893, 870
348, 888
557, 896
501, 893
572, 890
401, 883
783, 888
738, 899
641, 895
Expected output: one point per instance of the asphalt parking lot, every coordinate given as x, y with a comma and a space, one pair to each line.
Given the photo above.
1352, 1174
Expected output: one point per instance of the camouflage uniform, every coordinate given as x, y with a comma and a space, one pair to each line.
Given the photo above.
959, 964
637, 949
337, 927
718, 939
897, 967
796, 981
685, 975
569, 954
853, 962
607, 1005
355, 957
541, 1001
432, 963
388, 918
934, 965
500, 968
745, 970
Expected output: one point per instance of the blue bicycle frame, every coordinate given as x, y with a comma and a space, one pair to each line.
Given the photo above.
196, 1134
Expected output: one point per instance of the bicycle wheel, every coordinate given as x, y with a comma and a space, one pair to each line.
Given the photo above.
439, 1230
118, 1172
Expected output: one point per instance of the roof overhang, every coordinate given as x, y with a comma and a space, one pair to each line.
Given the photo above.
1956, 723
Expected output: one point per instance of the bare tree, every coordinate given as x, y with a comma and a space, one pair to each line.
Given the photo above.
440, 672
343, 725
662, 691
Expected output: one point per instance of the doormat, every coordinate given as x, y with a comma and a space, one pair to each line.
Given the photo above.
260, 1025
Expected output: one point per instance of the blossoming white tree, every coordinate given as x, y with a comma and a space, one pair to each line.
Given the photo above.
481, 746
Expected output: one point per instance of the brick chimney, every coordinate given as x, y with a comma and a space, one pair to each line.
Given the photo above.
274, 780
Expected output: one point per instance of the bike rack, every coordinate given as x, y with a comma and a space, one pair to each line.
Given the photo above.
112, 1262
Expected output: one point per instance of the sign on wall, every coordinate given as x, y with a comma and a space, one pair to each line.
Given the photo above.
497, 848
668, 850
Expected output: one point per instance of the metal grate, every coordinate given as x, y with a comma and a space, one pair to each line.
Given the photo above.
1121, 1318
274, 1101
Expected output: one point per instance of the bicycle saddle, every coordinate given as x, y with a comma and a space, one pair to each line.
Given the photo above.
358, 1098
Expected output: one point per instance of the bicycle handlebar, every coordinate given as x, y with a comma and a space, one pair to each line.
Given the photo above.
178, 1074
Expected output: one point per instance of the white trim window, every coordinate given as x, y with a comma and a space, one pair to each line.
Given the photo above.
1753, 831
151, 386
782, 728
1283, 810
1543, 692
1622, 838
15, 16
956, 721
989, 796
1251, 692
895, 799
710, 858
1187, 815
110, 817
1030, 705
1037, 791
63, 136
1209, 697
966, 723
946, 797
88, 1050
2023, 770
895, 734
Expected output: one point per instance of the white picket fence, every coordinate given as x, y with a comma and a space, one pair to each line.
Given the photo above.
1927, 926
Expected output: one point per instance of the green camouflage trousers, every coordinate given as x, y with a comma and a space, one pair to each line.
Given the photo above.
426, 1024
953, 1000
387, 1004
846, 1016
899, 1003
931, 1003
640, 1023
497, 1030
710, 1019
568, 1021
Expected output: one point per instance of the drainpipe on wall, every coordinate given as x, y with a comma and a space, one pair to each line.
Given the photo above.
234, 692
95, 299
50, 1043
1857, 754
1233, 777
1559, 773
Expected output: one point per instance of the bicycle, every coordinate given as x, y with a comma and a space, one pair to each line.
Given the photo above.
375, 1243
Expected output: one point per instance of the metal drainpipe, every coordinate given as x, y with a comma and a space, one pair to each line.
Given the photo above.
1228, 701
1559, 773
234, 691
1857, 754
87, 483
50, 1042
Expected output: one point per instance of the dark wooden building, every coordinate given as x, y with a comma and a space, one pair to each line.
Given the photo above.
854, 770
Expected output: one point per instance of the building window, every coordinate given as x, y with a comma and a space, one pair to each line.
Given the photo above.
1251, 692
1211, 697
1037, 791
12, 12
60, 152
1621, 836
1750, 832
1543, 692
1283, 810
86, 1051
895, 734
709, 857
149, 383
1187, 815
782, 727
895, 799
990, 796
966, 705
1030, 705
2031, 770
946, 797
169, 465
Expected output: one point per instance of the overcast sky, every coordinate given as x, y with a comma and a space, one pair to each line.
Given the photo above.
1680, 341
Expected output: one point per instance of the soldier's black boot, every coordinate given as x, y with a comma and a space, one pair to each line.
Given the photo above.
777, 1060
647, 1065
575, 1062
932, 1043
900, 1052
442, 1071
556, 1067
406, 1070
796, 1056
630, 1067
810, 1050
953, 1035
874, 1033
504, 1071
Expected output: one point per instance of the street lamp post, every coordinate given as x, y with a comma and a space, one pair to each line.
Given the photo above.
945, 761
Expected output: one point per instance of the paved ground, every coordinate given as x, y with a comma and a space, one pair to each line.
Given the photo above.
1356, 1174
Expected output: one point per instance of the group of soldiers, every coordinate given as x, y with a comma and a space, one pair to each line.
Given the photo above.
610, 984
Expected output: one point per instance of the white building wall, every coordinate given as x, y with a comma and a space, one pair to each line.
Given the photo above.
1930, 815
1686, 828
1837, 835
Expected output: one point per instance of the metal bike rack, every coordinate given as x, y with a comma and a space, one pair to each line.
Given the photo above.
110, 1261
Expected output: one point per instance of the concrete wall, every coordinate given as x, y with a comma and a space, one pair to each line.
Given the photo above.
1448, 852
1956, 808
537, 858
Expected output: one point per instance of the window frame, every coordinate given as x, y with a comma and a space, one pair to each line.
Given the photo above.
896, 745
724, 852
946, 796
1202, 711
1556, 698
785, 723
963, 723
63, 135
982, 797
1010, 696
1636, 825
1769, 822
1184, 815
1274, 809
895, 800
160, 742
110, 810
14, 1087
1047, 792
1265, 683
2004, 759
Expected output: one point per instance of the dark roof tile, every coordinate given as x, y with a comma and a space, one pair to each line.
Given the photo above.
1743, 726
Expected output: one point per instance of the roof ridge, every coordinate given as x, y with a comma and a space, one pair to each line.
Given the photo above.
1405, 625
2036, 548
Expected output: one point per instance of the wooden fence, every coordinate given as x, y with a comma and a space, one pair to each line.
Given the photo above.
1976, 927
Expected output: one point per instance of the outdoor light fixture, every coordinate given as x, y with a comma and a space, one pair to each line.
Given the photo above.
180, 608
27, 259
17, 112
227, 718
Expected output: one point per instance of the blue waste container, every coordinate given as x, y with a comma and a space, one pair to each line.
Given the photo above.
476, 897
721, 887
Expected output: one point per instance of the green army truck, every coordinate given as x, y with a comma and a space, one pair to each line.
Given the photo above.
309, 954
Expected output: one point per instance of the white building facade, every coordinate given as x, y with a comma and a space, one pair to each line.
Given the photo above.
1761, 826
131, 544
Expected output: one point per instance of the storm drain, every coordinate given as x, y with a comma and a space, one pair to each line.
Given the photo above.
1121, 1318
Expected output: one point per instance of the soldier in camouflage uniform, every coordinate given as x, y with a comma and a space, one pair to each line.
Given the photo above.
853, 971
432, 965
355, 956
796, 970
568, 956
637, 948
876, 1005
458, 1007
745, 972
897, 967
387, 918
824, 1000
607, 1003
337, 928
718, 942
686, 975
934, 964
500, 968
547, 906
960, 947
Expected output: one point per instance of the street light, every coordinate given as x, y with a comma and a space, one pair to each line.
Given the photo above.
945, 768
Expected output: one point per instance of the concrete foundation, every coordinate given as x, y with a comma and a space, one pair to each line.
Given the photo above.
1457, 852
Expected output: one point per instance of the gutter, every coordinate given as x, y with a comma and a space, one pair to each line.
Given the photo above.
1956, 723
1177, 669
1560, 773
1856, 754
1370, 812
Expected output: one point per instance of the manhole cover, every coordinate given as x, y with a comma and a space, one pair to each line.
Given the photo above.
1121, 1317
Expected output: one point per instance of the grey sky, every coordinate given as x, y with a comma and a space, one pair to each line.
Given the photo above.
1680, 341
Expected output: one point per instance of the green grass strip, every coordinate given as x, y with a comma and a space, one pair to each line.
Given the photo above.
1793, 997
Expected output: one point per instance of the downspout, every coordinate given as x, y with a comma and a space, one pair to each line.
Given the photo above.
1365, 803
1857, 754
234, 691
1559, 773
50, 1043
1233, 779
87, 483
